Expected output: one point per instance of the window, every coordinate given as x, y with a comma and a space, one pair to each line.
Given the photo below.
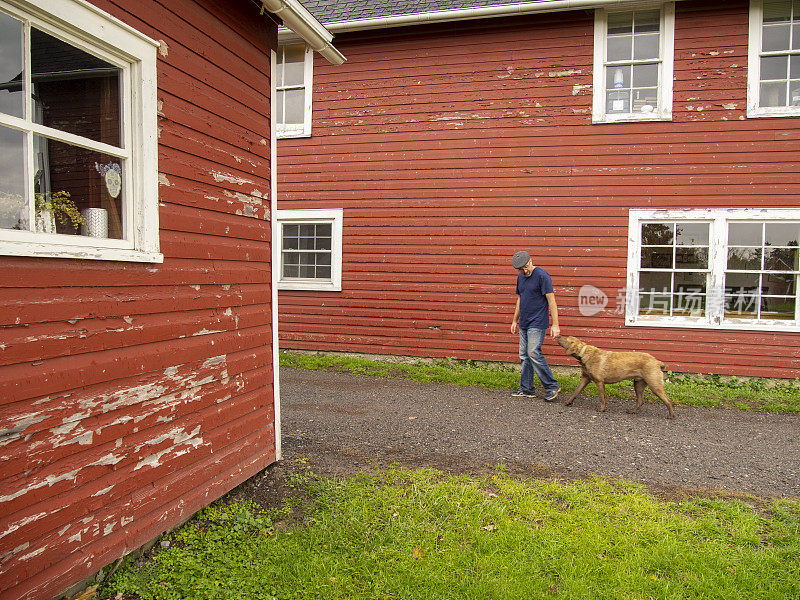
293, 85
733, 268
78, 150
773, 87
633, 52
311, 249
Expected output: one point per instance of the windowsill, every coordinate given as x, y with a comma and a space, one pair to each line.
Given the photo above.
309, 285
78, 251
292, 134
730, 324
631, 118
761, 113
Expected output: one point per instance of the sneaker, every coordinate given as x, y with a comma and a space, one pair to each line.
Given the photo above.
520, 393
552, 395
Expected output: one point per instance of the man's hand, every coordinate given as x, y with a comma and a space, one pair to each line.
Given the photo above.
513, 327
555, 331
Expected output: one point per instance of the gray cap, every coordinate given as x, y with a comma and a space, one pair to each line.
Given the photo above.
520, 259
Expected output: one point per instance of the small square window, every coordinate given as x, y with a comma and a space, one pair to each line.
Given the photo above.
310, 243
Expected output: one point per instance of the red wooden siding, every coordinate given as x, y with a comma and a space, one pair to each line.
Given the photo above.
452, 146
131, 395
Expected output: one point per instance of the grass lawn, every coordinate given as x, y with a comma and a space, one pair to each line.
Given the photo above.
706, 391
400, 534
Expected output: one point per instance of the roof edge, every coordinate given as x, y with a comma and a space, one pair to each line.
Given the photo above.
297, 18
462, 14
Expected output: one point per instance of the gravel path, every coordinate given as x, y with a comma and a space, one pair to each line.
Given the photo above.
341, 424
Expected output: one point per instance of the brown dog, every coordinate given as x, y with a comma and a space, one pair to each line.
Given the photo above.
604, 366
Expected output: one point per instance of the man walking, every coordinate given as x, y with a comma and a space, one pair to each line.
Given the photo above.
536, 305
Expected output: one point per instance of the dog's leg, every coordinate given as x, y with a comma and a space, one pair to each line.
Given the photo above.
639, 385
601, 388
658, 390
583, 383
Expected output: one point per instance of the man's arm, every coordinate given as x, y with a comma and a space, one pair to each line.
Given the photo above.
516, 318
555, 330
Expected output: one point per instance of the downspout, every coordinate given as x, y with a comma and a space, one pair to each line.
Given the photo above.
276, 257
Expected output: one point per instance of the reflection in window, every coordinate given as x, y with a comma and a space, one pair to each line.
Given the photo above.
72, 189
762, 270
673, 273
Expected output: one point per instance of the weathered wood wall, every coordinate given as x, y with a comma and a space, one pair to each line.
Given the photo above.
131, 395
452, 146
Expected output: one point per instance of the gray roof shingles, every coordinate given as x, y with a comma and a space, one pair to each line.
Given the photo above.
334, 11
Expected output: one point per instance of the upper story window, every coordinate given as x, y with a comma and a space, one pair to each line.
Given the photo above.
734, 268
311, 249
293, 75
633, 56
78, 149
773, 88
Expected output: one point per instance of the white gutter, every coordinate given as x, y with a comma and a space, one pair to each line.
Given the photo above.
298, 19
462, 14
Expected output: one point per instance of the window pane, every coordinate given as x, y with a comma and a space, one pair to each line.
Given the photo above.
794, 67
774, 67
13, 206
72, 178
777, 308
657, 234
780, 259
645, 76
745, 234
689, 283
618, 77
657, 257
646, 46
691, 234
773, 94
620, 22
744, 259
74, 91
742, 305
775, 37
647, 20
655, 304
796, 32
775, 284
293, 66
655, 282
691, 258
618, 47
323, 272
776, 12
11, 48
782, 234
740, 283
294, 106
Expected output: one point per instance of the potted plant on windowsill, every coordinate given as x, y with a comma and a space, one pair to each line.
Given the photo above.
56, 206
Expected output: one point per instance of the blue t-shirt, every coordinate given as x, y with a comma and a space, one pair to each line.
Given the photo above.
534, 311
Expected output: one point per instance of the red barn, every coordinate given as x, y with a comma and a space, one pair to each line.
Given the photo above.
137, 350
646, 156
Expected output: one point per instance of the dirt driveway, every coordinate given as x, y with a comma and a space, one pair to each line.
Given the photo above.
340, 424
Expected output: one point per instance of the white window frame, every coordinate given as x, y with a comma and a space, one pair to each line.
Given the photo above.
718, 255
663, 111
335, 217
754, 70
297, 130
92, 30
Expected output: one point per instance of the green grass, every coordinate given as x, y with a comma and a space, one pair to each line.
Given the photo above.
684, 390
422, 534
